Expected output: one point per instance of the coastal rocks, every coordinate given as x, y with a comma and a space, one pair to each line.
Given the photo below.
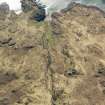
22, 55
4, 8
84, 49
46, 69
55, 23
38, 12
27, 5
56, 28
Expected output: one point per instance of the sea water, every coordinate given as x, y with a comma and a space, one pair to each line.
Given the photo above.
13, 5
57, 5
53, 5
97, 3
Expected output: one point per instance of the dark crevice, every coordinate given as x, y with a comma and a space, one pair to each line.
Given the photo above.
39, 14
49, 73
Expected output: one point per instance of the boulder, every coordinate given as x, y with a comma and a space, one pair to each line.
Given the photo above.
26, 5
4, 8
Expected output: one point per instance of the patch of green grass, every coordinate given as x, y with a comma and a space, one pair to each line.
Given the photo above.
47, 30
36, 24
49, 34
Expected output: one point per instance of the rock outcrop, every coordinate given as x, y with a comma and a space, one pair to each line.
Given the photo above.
4, 10
37, 12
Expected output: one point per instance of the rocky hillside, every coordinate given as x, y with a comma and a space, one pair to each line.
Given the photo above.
58, 62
